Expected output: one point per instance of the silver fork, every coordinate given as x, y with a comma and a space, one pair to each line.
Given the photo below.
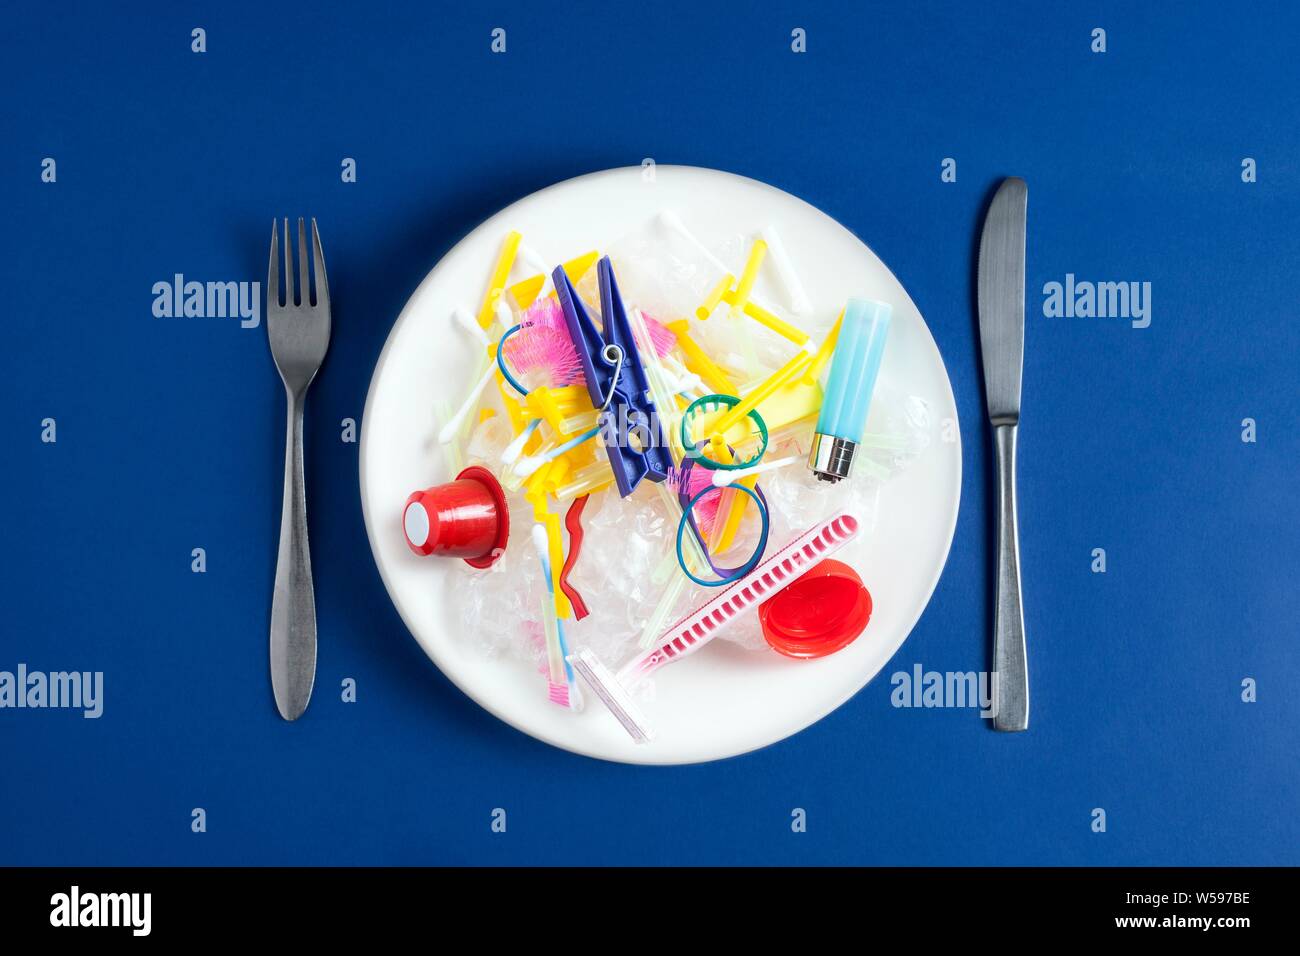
299, 333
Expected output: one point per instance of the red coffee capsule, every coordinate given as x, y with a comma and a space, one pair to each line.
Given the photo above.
467, 518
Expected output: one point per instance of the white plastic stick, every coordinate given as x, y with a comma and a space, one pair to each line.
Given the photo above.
722, 477
536, 264
794, 290
532, 261
450, 429
505, 315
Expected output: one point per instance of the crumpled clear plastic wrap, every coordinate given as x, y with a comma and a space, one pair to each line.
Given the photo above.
628, 554
500, 604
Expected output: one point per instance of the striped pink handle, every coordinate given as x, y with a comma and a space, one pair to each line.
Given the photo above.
703, 624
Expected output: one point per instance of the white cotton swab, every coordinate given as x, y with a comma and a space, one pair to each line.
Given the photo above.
455, 449
528, 464
794, 290
516, 447
722, 477
452, 427
469, 324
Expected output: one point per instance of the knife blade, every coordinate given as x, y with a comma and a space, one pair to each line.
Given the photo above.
1000, 294
1002, 299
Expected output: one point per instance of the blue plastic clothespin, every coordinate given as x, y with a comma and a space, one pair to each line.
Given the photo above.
616, 380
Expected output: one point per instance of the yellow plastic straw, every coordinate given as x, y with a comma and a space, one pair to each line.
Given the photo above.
586, 480
746, 284
578, 423
698, 361
559, 471
566, 408
777, 324
500, 275
706, 308
781, 376
725, 536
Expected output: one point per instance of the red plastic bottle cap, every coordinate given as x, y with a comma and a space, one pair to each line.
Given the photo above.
817, 614
466, 518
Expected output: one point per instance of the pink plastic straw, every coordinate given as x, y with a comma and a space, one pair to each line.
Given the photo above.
703, 624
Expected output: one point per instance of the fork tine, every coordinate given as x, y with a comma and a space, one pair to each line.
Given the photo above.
304, 282
288, 266
273, 270
318, 263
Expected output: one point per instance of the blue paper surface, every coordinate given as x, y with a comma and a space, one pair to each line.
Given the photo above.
169, 429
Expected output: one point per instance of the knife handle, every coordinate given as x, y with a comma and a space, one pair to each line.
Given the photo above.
1011, 670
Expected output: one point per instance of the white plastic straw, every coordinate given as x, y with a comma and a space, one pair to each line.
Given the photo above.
794, 290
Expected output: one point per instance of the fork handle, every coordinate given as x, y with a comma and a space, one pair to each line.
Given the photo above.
1011, 671
293, 606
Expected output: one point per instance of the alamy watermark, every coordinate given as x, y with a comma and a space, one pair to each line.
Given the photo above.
630, 428
1102, 300
922, 688
208, 300
74, 690
130, 910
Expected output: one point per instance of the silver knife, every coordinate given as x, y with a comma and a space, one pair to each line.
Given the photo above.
1001, 296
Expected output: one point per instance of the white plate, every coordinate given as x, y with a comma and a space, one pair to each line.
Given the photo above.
723, 700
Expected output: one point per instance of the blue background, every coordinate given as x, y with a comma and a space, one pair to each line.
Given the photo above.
170, 430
